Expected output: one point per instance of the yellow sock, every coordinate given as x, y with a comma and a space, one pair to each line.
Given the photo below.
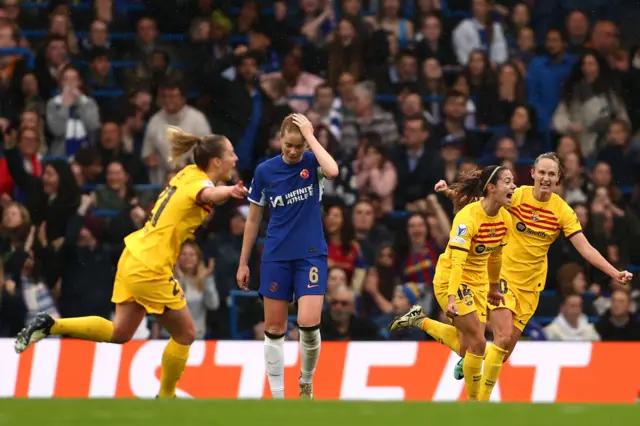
443, 333
96, 329
174, 359
492, 366
472, 370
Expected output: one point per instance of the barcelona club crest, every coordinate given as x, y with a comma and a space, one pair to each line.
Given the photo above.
492, 232
304, 173
534, 216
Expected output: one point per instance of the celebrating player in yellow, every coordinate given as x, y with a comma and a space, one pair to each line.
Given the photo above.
467, 273
537, 217
144, 281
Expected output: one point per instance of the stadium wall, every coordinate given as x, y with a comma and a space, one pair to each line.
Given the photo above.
537, 371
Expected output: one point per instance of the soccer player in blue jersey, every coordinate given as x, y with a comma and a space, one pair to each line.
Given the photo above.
294, 258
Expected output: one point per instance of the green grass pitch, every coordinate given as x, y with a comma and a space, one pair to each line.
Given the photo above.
61, 412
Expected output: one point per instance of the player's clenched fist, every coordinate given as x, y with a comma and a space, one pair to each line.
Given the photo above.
243, 277
441, 186
624, 277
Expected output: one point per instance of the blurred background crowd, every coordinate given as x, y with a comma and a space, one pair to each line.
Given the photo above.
401, 92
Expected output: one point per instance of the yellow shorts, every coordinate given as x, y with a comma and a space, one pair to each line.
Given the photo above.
523, 303
137, 283
469, 299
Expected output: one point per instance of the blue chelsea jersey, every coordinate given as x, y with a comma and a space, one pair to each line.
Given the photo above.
293, 193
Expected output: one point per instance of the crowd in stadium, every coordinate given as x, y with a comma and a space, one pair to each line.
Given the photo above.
402, 93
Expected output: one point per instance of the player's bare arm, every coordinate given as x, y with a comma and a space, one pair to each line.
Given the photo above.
592, 256
328, 165
251, 228
219, 194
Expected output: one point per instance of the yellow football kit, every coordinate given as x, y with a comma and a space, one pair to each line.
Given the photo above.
145, 269
533, 227
471, 260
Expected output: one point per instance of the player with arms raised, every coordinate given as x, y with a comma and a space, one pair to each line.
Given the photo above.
537, 216
467, 272
294, 258
144, 281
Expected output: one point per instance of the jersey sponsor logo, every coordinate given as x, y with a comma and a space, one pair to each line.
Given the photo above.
292, 197
521, 227
462, 230
480, 248
304, 174
458, 240
276, 201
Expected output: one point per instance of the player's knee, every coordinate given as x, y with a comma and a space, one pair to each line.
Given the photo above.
502, 337
121, 335
186, 336
275, 329
477, 342
309, 319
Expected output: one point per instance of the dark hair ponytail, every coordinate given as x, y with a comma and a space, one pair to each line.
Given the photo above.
469, 187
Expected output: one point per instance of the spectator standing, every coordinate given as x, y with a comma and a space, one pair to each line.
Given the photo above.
198, 283
577, 26
546, 75
344, 250
346, 52
432, 43
156, 149
496, 107
12, 70
73, 118
368, 117
480, 32
242, 110
29, 143
375, 173
416, 167
299, 83
590, 101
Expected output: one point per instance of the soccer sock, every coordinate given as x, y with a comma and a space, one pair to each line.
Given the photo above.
309, 352
96, 329
443, 333
492, 366
472, 375
274, 361
174, 359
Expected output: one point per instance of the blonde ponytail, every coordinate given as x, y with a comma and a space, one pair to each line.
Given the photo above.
181, 143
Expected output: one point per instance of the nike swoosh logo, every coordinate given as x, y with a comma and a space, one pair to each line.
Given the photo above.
312, 286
